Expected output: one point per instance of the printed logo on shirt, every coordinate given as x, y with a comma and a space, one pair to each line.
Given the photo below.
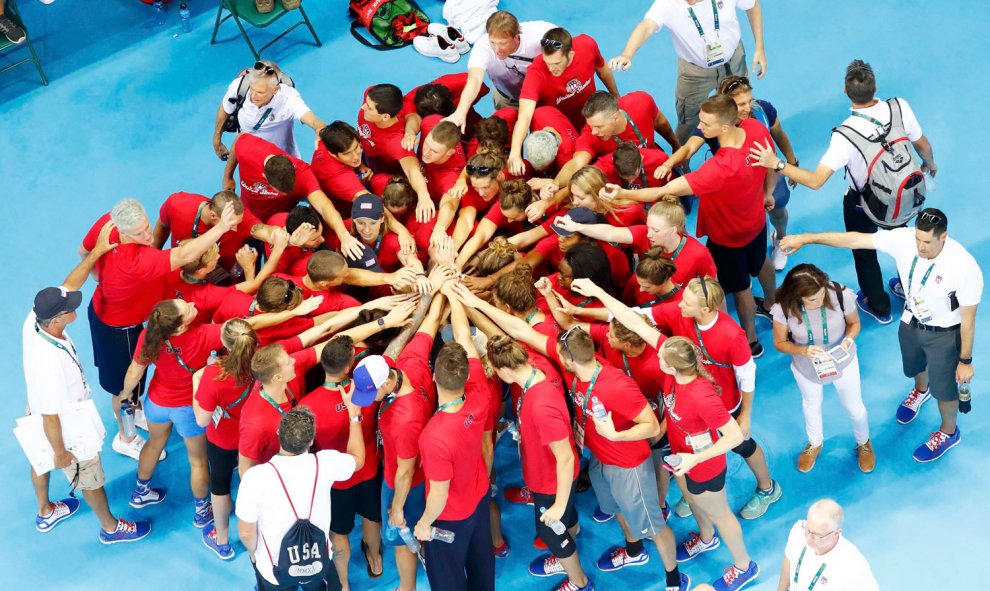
260, 189
668, 400
938, 279
173, 350
574, 86
468, 421
341, 407
365, 130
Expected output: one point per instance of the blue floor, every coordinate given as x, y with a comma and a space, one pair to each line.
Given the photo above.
130, 110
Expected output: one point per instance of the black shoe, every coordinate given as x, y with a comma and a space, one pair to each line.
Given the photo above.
760, 310
583, 481
756, 349
10, 30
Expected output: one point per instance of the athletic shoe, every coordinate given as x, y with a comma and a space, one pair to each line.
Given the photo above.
896, 287
546, 565
938, 443
569, 586
433, 46
518, 494
777, 254
601, 516
450, 35
735, 579
10, 30
761, 311
694, 546
126, 531
140, 421
501, 551
684, 586
756, 349
224, 551
539, 544
908, 410
864, 305
132, 449
61, 510
152, 496
867, 459
808, 457
761, 501
203, 516
615, 558
682, 509
665, 511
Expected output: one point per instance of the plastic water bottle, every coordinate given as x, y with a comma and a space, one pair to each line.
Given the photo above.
212, 359
598, 409
964, 393
672, 460
441, 535
557, 526
389, 531
159, 7
513, 430
185, 18
409, 539
127, 419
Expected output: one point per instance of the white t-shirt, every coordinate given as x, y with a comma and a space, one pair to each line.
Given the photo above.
261, 499
55, 382
845, 569
690, 46
954, 270
835, 320
841, 153
507, 75
286, 108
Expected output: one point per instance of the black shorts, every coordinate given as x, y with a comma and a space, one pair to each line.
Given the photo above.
222, 463
364, 499
713, 485
736, 264
113, 349
562, 546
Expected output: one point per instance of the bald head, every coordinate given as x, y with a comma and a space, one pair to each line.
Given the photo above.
827, 513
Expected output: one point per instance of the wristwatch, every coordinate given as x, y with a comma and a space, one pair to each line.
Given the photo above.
381, 322
780, 165
357, 419
966, 360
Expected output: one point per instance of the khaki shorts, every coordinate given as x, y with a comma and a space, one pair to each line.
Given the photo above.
502, 101
695, 83
90, 474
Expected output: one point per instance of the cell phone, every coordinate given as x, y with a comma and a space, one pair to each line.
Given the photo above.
839, 354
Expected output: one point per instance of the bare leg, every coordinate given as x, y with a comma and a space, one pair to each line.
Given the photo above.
41, 487
921, 381
746, 310
714, 505
97, 501
572, 566
158, 434
625, 527
705, 528
407, 564
341, 555
758, 465
949, 412
666, 547
199, 470
768, 281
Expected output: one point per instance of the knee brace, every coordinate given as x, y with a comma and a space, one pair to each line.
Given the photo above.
746, 449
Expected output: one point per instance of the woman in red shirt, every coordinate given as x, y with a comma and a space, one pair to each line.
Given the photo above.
652, 284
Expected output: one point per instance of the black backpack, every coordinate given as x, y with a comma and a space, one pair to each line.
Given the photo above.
304, 555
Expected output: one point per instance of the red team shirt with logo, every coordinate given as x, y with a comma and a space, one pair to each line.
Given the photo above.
543, 419
333, 427
692, 261
402, 422
694, 408
339, 181
644, 368
641, 110
171, 384
258, 196
653, 158
179, 213
569, 91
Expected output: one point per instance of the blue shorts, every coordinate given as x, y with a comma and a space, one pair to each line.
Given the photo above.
781, 192
413, 509
182, 417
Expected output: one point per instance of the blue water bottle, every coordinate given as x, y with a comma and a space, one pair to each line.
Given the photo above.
185, 18
159, 7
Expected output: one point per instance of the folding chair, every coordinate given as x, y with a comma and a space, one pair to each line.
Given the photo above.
11, 11
245, 10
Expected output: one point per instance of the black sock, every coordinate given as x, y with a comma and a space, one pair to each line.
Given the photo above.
674, 578
634, 549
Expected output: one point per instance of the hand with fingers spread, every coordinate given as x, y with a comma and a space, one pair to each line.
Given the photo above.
351, 247
586, 287
517, 167
280, 239
388, 302
479, 284
464, 295
442, 249
459, 189
228, 217
301, 234
425, 210
792, 243
103, 244
307, 306
399, 315
763, 155
565, 222
440, 275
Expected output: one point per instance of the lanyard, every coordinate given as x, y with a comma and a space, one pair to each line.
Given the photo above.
680, 247
522, 397
587, 394
584, 302
664, 297
387, 402
642, 177
335, 385
447, 405
190, 279
362, 355
72, 354
924, 279
239, 400
275, 405
177, 358
797, 570
701, 343
697, 25
642, 140
531, 315
625, 362
268, 111
254, 304
868, 118
199, 214
807, 325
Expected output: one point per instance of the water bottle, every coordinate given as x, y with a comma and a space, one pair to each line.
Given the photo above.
441, 535
598, 409
389, 531
212, 359
557, 526
185, 18
127, 419
159, 7
513, 430
672, 460
410, 540
964, 393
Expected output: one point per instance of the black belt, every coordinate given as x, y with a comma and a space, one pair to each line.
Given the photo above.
926, 327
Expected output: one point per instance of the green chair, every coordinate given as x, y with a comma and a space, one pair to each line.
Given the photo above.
11, 11
245, 10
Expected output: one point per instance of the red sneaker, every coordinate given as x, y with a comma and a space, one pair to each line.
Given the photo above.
518, 494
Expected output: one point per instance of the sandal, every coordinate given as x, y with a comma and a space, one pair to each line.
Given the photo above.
381, 552
291, 4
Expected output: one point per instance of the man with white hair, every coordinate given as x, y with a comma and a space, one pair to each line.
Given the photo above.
131, 280
817, 555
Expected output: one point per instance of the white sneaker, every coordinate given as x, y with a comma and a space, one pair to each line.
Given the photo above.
132, 449
433, 46
450, 35
140, 421
778, 257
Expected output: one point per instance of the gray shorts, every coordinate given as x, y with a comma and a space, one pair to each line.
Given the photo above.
938, 352
695, 83
630, 491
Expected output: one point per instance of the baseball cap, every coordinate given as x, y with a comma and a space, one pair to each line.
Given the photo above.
368, 377
581, 215
52, 301
367, 206
540, 148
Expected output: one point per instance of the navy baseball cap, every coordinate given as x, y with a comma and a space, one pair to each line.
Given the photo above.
52, 301
367, 206
581, 215
368, 377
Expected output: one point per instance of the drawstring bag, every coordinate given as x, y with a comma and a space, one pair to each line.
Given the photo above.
393, 23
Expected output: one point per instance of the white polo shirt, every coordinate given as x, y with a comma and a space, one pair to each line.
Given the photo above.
285, 108
689, 45
953, 271
54, 378
845, 567
507, 75
261, 499
841, 153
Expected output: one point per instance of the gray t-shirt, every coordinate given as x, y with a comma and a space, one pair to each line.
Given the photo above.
836, 322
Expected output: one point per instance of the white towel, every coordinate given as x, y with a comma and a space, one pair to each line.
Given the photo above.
469, 16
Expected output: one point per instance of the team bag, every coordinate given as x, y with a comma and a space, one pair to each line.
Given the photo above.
393, 23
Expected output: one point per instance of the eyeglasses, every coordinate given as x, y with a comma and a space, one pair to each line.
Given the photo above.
814, 535
551, 44
479, 170
289, 292
736, 83
262, 67
930, 217
563, 339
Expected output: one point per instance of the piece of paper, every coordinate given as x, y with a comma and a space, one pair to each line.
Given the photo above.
83, 434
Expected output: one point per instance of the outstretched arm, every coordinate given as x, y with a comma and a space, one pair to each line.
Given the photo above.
620, 311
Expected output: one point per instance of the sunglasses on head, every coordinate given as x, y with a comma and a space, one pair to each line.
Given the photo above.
289, 292
736, 83
479, 170
930, 217
262, 67
551, 44
563, 340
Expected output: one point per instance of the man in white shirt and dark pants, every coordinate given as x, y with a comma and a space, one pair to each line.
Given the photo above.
708, 43
943, 285
818, 557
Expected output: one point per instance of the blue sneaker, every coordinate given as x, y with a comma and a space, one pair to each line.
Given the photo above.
735, 579
896, 287
938, 443
126, 531
601, 516
615, 558
501, 551
694, 546
864, 305
224, 551
152, 496
908, 410
684, 586
61, 510
546, 565
203, 516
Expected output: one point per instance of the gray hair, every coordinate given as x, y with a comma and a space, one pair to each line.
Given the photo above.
828, 510
540, 148
260, 75
128, 215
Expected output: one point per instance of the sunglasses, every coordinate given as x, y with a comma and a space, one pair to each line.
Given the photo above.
289, 292
551, 44
736, 83
933, 218
563, 340
479, 170
262, 67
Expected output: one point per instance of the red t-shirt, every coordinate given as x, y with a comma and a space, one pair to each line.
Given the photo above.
574, 298
481, 205
132, 278
402, 421
620, 395
339, 181
543, 419
547, 116
725, 346
440, 177
454, 82
206, 296
259, 418
242, 305
334, 300
258, 196
181, 212
569, 91
383, 145
730, 191
652, 159
549, 247
171, 383
450, 446
691, 258
641, 110
694, 409
333, 425
644, 368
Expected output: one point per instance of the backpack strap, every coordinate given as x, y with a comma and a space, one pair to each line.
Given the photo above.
291, 506
838, 294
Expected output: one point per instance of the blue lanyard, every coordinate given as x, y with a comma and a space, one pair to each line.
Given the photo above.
701, 343
447, 405
522, 397
587, 394
797, 570
642, 140
199, 214
924, 279
275, 405
807, 325
664, 297
701, 32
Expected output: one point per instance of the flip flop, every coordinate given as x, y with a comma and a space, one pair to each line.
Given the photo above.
364, 550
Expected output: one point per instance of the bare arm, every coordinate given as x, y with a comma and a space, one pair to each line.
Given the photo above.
131, 380
662, 126
472, 87
228, 183
851, 240
77, 277
436, 500
731, 436
526, 109
578, 161
248, 533
783, 142
643, 31
310, 120
244, 464
603, 232
404, 471
52, 426
424, 206
427, 308
924, 148
620, 311
514, 327
755, 16
645, 426
785, 575
608, 79
349, 245
482, 234
160, 234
